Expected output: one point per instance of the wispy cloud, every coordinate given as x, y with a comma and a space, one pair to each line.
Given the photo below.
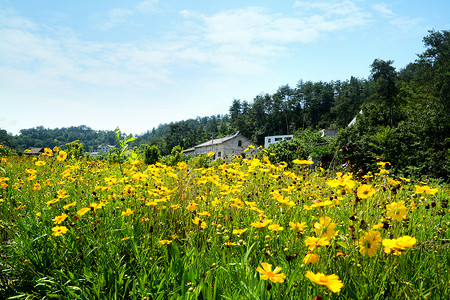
117, 16
403, 23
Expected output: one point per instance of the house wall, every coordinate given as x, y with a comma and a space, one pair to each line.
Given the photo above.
227, 148
269, 140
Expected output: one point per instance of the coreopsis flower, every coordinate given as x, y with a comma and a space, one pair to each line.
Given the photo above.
59, 219
311, 258
164, 242
239, 231
343, 181
325, 228
297, 226
209, 154
53, 201
58, 230
48, 152
36, 187
261, 223
320, 203
275, 227
199, 222
312, 242
331, 281
83, 211
398, 245
192, 206
62, 155
396, 210
268, 274
302, 162
369, 243
69, 205
365, 191
56, 149
62, 194
127, 212
426, 189
39, 163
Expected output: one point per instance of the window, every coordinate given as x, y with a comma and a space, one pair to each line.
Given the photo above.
219, 154
288, 138
278, 139
239, 143
269, 140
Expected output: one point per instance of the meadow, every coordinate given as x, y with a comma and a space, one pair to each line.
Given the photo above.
242, 229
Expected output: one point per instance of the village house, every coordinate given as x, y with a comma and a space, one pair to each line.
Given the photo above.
223, 147
34, 151
269, 140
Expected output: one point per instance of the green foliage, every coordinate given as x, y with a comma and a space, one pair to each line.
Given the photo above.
306, 143
75, 150
151, 154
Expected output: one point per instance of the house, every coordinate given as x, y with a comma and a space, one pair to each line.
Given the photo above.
34, 151
268, 140
105, 148
353, 121
329, 132
223, 147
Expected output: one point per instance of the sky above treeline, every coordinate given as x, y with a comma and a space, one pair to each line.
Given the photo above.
138, 64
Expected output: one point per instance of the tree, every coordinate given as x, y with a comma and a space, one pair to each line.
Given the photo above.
384, 78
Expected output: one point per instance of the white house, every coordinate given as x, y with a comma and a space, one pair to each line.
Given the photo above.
268, 140
105, 148
223, 147
329, 132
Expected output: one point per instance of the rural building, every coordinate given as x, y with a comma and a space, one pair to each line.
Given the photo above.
269, 140
223, 147
105, 148
34, 151
329, 132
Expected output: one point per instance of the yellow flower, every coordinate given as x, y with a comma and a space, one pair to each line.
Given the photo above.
261, 224
313, 242
36, 187
48, 152
297, 226
397, 245
62, 155
369, 243
396, 211
426, 189
56, 149
128, 212
268, 274
59, 219
331, 281
302, 162
275, 227
39, 163
199, 222
164, 242
365, 191
83, 211
209, 154
125, 238
311, 258
192, 206
204, 213
69, 205
325, 228
239, 231
58, 230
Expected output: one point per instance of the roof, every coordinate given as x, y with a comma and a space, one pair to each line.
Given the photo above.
217, 141
35, 151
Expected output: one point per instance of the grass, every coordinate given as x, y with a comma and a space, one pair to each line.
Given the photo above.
139, 237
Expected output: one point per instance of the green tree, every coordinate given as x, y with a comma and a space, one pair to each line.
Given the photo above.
151, 154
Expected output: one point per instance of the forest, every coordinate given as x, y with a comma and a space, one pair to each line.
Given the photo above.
402, 117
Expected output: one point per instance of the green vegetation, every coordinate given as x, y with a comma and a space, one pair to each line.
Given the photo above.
244, 229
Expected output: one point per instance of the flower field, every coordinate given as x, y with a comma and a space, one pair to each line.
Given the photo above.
245, 229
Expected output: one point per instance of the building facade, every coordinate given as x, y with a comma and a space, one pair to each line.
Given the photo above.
269, 140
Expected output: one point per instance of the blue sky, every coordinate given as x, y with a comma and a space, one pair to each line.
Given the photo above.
137, 64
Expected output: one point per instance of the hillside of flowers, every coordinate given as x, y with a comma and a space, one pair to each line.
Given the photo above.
240, 229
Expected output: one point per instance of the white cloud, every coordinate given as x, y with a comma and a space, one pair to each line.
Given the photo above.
116, 16
383, 9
